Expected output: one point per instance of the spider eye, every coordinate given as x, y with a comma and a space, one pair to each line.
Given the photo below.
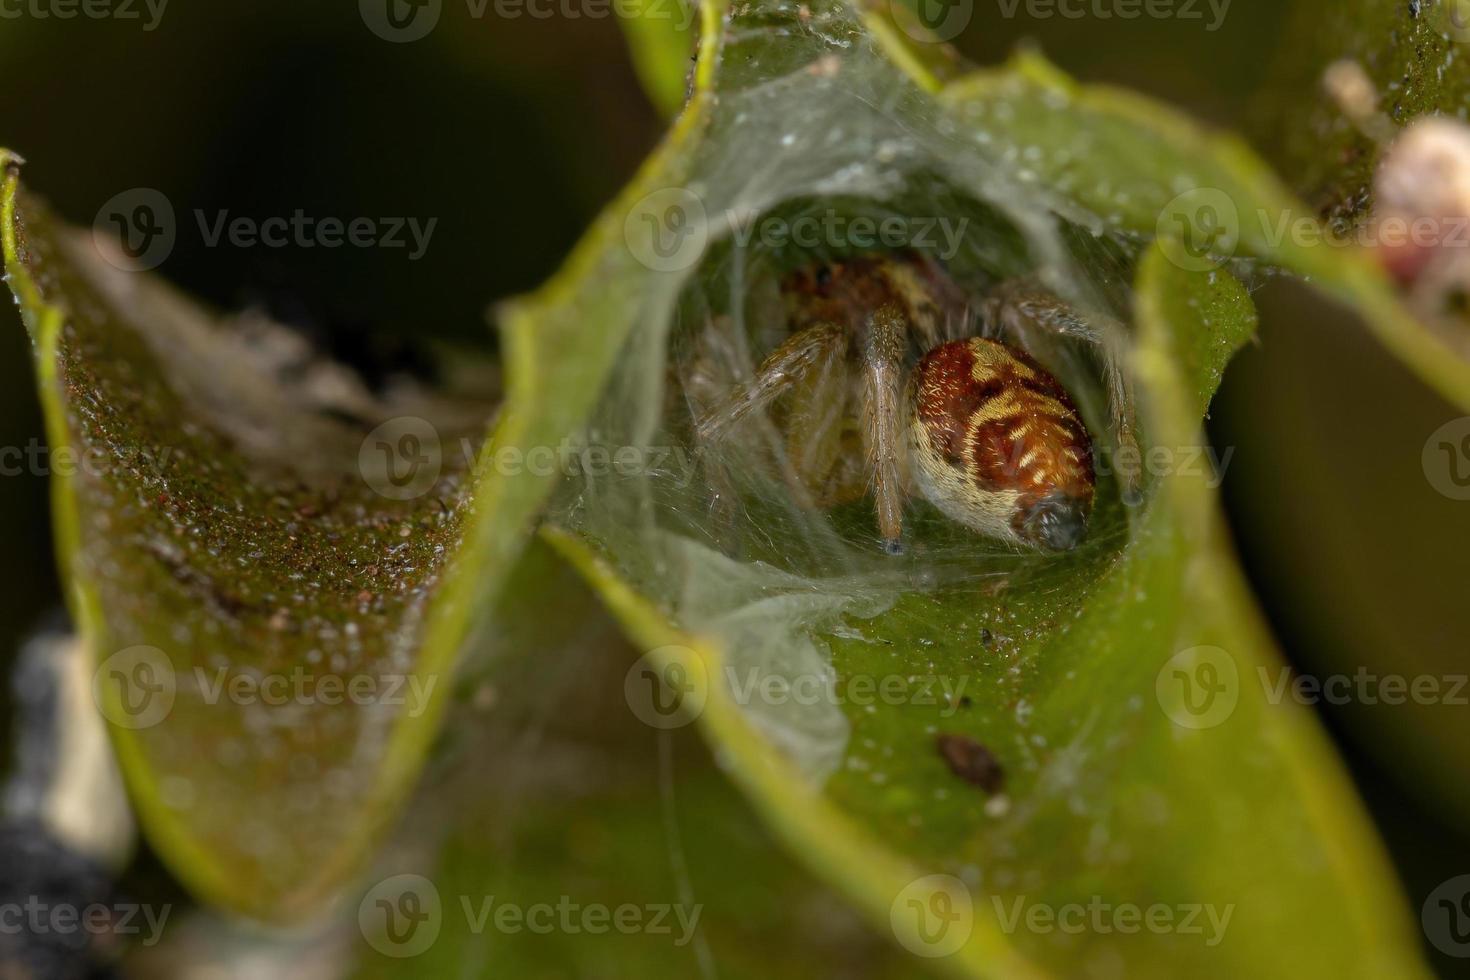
824, 276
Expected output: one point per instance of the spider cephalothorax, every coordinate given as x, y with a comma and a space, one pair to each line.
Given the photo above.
877, 388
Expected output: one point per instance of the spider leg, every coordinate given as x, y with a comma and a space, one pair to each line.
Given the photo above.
807, 365
883, 355
1019, 306
782, 368
815, 423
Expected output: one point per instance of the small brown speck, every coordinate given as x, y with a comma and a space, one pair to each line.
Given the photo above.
972, 762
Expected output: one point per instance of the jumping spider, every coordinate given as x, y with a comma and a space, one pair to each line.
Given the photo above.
880, 386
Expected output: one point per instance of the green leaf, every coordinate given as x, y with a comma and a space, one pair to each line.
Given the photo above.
1415, 55
229, 548
551, 793
1142, 169
228, 563
1420, 69
662, 41
1070, 670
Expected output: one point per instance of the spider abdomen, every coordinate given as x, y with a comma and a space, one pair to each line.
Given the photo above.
996, 444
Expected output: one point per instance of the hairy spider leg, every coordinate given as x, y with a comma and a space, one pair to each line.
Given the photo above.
816, 433
883, 421
781, 368
821, 349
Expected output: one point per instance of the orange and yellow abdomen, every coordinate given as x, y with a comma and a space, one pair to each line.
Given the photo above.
997, 444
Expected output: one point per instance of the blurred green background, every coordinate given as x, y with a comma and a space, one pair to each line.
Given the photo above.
514, 132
